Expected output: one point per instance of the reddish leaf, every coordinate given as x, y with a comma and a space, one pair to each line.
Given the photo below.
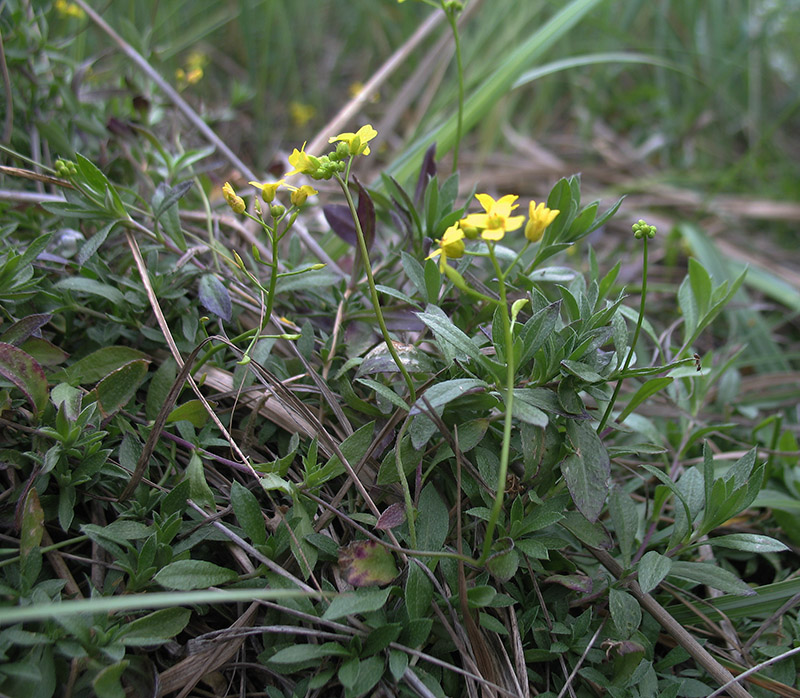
22, 329
392, 517
25, 372
575, 582
366, 563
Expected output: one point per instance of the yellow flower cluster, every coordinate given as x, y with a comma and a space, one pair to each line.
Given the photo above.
68, 9
492, 225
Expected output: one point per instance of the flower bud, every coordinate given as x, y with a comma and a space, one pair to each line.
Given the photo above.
235, 202
299, 196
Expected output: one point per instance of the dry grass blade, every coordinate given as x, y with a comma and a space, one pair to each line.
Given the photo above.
185, 675
684, 639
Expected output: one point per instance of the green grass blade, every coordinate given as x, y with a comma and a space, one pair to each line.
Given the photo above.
493, 87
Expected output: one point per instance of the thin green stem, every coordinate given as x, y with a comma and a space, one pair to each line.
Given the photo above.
362, 246
502, 473
632, 348
452, 18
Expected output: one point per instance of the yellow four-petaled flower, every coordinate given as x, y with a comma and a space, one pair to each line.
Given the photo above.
497, 219
357, 141
539, 217
302, 162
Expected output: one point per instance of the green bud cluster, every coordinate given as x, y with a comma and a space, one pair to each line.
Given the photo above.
328, 166
640, 229
65, 168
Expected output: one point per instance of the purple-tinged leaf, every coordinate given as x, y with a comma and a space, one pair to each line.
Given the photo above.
366, 563
25, 372
341, 222
426, 171
22, 329
576, 582
392, 517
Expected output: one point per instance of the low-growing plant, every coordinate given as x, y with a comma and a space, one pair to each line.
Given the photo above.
428, 460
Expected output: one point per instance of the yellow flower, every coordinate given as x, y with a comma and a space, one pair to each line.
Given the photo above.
235, 202
539, 217
268, 189
357, 141
497, 221
301, 113
451, 245
299, 196
68, 9
302, 162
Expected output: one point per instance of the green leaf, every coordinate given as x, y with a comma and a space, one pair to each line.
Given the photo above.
358, 676
415, 273
581, 371
24, 371
710, 575
526, 411
98, 364
32, 523
305, 653
647, 389
626, 521
184, 575
355, 602
353, 449
625, 612
91, 287
155, 628
192, 411
750, 542
248, 513
433, 280
652, 569
439, 394
433, 520
587, 471
214, 296
385, 392
90, 247
447, 333
107, 682
418, 593
118, 387
398, 663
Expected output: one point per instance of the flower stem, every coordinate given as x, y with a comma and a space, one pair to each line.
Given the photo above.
502, 473
362, 246
632, 348
452, 17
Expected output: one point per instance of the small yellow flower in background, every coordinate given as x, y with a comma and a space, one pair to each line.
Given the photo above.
68, 9
539, 217
497, 221
298, 196
192, 72
302, 162
355, 89
301, 113
268, 189
235, 202
357, 141
451, 245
